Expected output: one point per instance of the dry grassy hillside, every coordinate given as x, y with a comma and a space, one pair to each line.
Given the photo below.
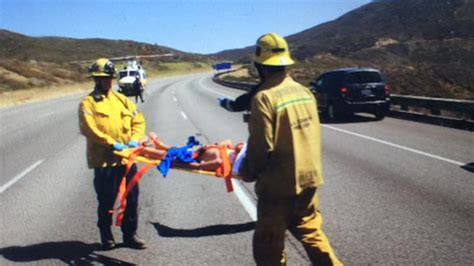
425, 47
18, 75
27, 62
38, 68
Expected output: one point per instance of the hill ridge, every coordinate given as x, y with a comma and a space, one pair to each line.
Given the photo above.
425, 47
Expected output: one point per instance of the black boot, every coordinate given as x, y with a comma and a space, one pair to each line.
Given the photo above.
134, 242
107, 238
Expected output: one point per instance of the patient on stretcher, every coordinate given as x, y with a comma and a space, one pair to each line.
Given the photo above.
155, 149
206, 158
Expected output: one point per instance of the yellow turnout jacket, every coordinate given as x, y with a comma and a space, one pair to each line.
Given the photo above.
284, 145
106, 120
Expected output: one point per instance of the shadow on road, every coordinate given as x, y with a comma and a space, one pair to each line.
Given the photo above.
69, 252
468, 167
213, 230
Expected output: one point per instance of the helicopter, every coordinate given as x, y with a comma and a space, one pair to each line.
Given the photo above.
128, 75
131, 71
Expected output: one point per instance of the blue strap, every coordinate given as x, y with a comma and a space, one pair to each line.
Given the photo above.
183, 154
192, 141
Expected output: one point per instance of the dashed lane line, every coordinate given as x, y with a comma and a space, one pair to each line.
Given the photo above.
433, 156
213, 91
19, 176
244, 199
398, 146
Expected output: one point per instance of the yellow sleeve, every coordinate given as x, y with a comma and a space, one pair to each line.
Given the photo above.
89, 128
138, 121
260, 142
138, 126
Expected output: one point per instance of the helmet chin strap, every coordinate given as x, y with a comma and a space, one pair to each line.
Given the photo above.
261, 72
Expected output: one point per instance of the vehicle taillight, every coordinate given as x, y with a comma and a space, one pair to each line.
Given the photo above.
387, 89
344, 91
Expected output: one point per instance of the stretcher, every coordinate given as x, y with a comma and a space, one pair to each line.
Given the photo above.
137, 155
126, 154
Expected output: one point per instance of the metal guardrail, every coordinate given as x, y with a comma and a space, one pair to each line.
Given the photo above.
233, 84
445, 112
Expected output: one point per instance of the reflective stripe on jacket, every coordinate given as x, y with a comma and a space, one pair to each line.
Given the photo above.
284, 146
106, 120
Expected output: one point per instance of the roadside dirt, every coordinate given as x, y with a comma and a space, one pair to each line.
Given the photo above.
19, 97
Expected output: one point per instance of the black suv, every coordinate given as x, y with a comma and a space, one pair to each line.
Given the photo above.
351, 90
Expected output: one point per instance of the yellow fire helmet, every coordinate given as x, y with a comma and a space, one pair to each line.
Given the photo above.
103, 67
272, 50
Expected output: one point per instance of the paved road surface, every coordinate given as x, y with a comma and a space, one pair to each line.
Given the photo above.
396, 192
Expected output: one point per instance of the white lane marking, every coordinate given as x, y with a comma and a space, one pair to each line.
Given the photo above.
184, 115
45, 115
245, 200
247, 203
397, 146
213, 91
19, 176
238, 190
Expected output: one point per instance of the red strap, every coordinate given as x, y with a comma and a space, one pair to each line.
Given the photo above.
125, 190
225, 169
123, 197
123, 204
136, 179
131, 159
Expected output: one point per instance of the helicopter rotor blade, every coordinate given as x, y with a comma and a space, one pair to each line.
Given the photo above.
128, 57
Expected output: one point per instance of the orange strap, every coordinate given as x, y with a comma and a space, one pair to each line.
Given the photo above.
123, 203
124, 189
225, 169
123, 198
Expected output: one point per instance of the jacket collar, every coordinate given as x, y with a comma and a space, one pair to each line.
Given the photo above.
274, 81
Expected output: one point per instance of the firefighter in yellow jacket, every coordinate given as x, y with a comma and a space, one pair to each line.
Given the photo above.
284, 157
110, 121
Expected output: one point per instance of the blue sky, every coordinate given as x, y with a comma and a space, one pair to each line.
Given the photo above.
200, 26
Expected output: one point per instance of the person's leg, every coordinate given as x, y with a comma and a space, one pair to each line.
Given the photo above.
130, 217
269, 235
307, 227
106, 185
210, 159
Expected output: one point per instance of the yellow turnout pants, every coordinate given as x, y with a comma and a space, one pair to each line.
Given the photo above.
299, 215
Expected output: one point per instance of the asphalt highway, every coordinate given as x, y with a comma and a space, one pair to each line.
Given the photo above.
396, 192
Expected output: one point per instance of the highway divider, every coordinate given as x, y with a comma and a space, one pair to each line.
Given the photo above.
444, 112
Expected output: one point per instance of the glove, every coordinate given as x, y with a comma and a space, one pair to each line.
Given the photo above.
120, 146
222, 101
133, 144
